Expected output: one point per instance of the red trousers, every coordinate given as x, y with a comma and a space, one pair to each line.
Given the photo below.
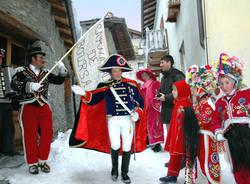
174, 164
32, 117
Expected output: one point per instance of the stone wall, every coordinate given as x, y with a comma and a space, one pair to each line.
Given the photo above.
36, 15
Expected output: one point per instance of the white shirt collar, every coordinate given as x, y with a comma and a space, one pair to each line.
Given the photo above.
34, 69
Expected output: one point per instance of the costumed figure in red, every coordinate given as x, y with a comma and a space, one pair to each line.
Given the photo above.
35, 111
203, 85
231, 120
175, 144
114, 110
150, 88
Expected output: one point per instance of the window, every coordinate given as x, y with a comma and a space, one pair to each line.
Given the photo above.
15, 54
18, 55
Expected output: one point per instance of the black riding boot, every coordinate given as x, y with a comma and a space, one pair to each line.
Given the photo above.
114, 159
125, 166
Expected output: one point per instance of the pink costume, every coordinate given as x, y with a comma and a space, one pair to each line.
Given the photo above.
150, 89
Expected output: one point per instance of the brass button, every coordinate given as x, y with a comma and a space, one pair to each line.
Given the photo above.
117, 113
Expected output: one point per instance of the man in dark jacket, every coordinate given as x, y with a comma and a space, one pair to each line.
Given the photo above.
170, 75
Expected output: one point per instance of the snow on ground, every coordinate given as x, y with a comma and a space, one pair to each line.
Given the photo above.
82, 166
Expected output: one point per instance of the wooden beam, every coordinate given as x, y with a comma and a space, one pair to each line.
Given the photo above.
157, 54
149, 16
68, 41
65, 36
149, 11
58, 13
18, 28
67, 90
58, 6
154, 63
62, 20
147, 5
67, 45
155, 68
61, 25
8, 54
149, 25
65, 31
149, 20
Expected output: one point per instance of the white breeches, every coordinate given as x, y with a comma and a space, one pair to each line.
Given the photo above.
120, 126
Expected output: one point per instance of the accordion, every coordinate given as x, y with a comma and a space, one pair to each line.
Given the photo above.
5, 81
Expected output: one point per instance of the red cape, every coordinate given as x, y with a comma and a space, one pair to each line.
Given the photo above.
91, 131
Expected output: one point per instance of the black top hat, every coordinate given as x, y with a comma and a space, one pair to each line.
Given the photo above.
35, 50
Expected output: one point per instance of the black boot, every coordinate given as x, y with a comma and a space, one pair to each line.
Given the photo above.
168, 179
166, 164
125, 166
114, 159
157, 148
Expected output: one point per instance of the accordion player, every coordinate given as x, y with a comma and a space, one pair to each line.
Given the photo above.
5, 79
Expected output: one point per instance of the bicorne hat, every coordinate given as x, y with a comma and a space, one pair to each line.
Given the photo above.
115, 61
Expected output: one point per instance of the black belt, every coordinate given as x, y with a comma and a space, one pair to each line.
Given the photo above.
35, 103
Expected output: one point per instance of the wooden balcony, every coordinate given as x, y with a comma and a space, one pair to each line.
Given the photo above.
156, 47
156, 40
173, 10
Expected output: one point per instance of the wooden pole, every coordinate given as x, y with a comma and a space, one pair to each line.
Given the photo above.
60, 60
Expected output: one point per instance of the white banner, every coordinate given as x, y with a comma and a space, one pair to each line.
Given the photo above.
89, 54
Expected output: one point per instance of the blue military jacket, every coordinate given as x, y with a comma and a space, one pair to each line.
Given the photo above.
126, 90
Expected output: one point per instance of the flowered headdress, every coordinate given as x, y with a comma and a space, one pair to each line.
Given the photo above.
203, 78
231, 67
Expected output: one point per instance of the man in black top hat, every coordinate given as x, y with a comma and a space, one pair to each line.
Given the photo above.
35, 111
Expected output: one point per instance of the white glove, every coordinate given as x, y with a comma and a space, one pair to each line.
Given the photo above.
60, 65
134, 116
35, 86
78, 90
62, 69
220, 137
